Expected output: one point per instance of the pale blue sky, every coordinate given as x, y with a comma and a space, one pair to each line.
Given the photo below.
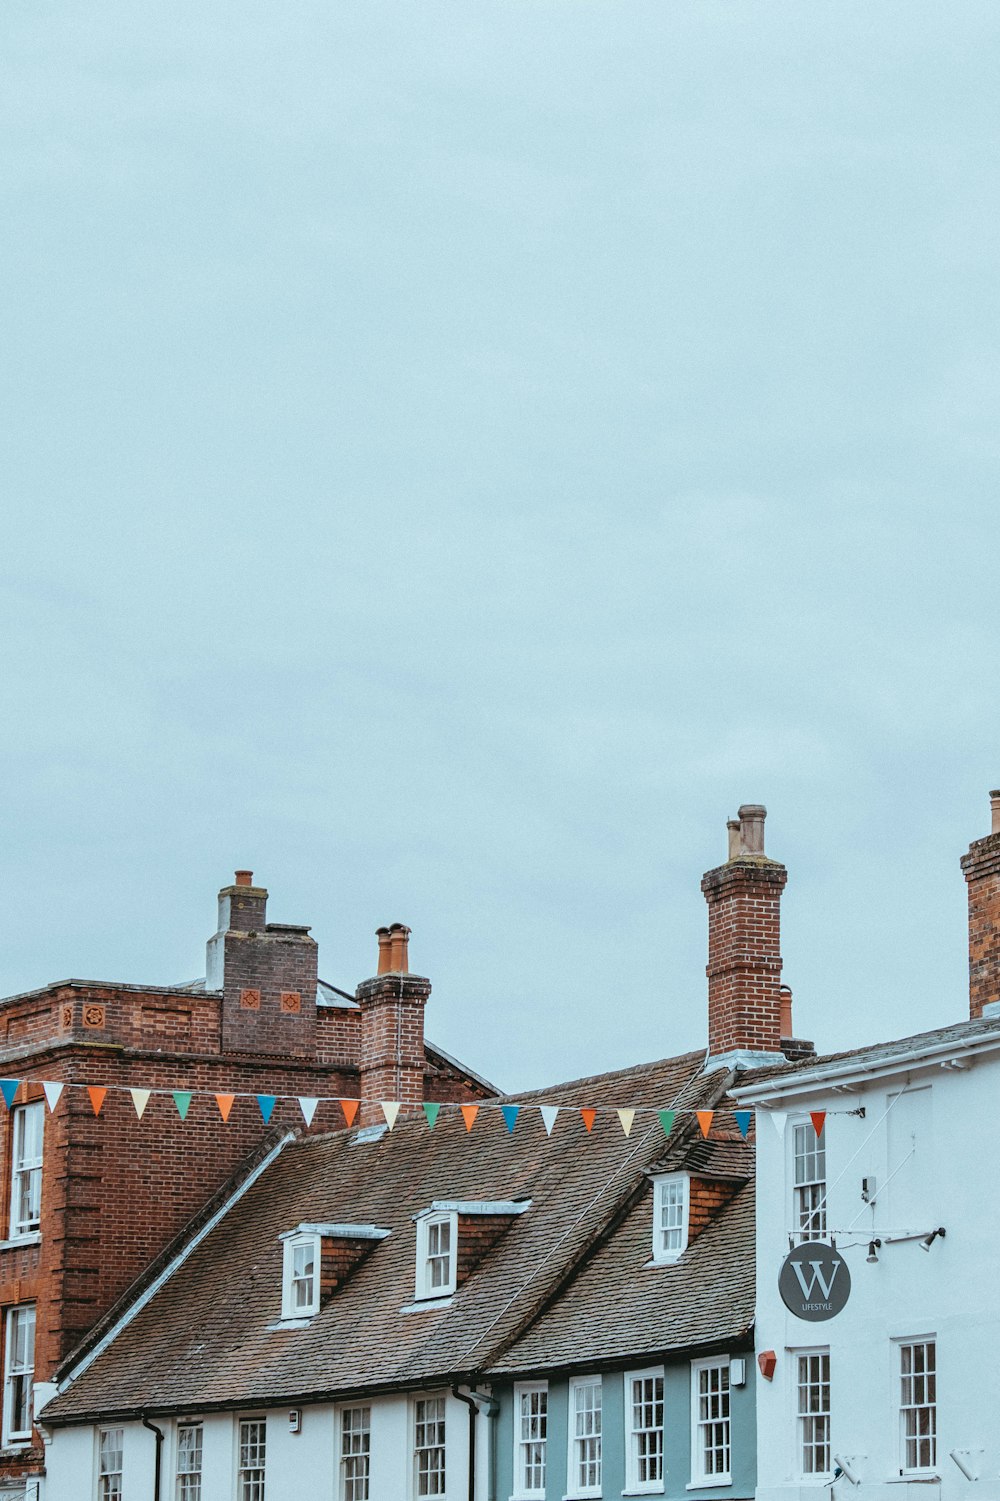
456, 453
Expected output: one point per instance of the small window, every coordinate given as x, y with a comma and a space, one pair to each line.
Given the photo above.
300, 1285
251, 1459
813, 1411
809, 1179
585, 1436
19, 1370
711, 1434
918, 1406
671, 1196
110, 1447
189, 1445
437, 1255
27, 1126
644, 1431
429, 1446
355, 1452
531, 1409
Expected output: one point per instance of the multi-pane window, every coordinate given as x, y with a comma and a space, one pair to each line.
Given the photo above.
585, 1436
27, 1126
809, 1181
429, 1446
436, 1258
110, 1445
19, 1370
918, 1404
530, 1427
644, 1430
251, 1459
813, 1411
355, 1452
300, 1290
189, 1441
711, 1437
670, 1217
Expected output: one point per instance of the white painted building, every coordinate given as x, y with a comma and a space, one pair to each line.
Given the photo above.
899, 1392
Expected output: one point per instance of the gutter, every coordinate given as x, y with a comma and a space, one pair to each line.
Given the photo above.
857, 1068
159, 1447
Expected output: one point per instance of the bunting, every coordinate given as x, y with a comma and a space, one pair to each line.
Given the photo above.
743, 1119
667, 1118
705, 1120
182, 1099
9, 1088
510, 1114
818, 1118
626, 1118
469, 1113
225, 1103
97, 1094
589, 1117
267, 1103
390, 1109
52, 1093
548, 1114
350, 1109
307, 1104
140, 1099
779, 1117
431, 1110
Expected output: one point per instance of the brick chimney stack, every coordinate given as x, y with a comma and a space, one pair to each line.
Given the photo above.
267, 974
744, 949
982, 874
392, 1004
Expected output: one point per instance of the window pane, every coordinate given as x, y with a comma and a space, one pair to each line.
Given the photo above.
109, 1464
429, 1446
647, 1428
810, 1181
355, 1449
532, 1419
189, 1442
712, 1420
587, 1435
253, 1445
918, 1405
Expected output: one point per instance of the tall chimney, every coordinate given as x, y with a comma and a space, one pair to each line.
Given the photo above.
982, 874
393, 1060
744, 948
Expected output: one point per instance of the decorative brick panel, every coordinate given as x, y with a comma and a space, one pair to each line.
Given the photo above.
250, 1000
291, 1002
93, 1015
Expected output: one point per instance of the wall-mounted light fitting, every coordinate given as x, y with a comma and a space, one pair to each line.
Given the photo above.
929, 1240
874, 1246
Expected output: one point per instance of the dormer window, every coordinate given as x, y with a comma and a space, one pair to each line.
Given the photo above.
300, 1284
437, 1255
316, 1260
671, 1201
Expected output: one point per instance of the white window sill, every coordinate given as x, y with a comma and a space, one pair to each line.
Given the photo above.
582, 1496
708, 1482
915, 1477
424, 1305
32, 1238
645, 1490
300, 1321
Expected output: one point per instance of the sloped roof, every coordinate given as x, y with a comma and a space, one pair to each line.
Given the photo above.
205, 1340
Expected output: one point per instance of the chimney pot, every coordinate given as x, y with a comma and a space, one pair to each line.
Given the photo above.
982, 873
752, 816
399, 935
384, 951
785, 995
244, 878
733, 826
995, 810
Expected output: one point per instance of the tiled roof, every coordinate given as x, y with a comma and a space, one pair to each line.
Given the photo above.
205, 1340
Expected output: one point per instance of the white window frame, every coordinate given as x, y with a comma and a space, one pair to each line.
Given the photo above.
26, 1169
808, 1223
18, 1314
911, 1342
363, 1429
183, 1491
665, 1185
103, 1489
801, 1419
633, 1485
425, 1225
415, 1421
289, 1280
699, 1476
522, 1389
573, 1457
242, 1493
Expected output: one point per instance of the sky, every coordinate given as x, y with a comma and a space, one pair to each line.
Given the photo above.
454, 454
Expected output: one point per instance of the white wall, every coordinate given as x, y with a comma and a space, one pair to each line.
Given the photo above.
300, 1467
950, 1291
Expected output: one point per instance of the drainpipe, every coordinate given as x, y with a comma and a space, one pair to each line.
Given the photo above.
491, 1408
159, 1446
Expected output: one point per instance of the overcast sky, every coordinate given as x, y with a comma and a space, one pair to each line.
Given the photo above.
456, 453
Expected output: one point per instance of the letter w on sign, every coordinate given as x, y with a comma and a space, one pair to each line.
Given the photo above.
809, 1284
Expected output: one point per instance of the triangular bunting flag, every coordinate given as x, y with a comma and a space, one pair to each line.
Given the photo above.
626, 1117
52, 1093
779, 1117
9, 1088
817, 1117
589, 1117
97, 1093
182, 1099
667, 1118
469, 1113
705, 1120
140, 1099
743, 1119
390, 1109
307, 1104
350, 1109
267, 1103
431, 1111
548, 1114
225, 1103
510, 1114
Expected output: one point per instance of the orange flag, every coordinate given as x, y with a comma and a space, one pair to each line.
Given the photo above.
589, 1117
225, 1104
350, 1109
817, 1117
97, 1093
469, 1113
705, 1120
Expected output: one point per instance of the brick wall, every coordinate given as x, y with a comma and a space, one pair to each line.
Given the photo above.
744, 954
477, 1234
982, 873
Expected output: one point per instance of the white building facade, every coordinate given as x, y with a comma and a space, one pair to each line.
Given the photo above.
898, 1395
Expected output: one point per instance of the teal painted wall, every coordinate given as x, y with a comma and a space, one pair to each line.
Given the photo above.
677, 1438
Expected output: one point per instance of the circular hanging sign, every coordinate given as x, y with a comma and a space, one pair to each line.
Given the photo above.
814, 1282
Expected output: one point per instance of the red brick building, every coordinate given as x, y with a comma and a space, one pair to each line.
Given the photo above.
88, 1201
